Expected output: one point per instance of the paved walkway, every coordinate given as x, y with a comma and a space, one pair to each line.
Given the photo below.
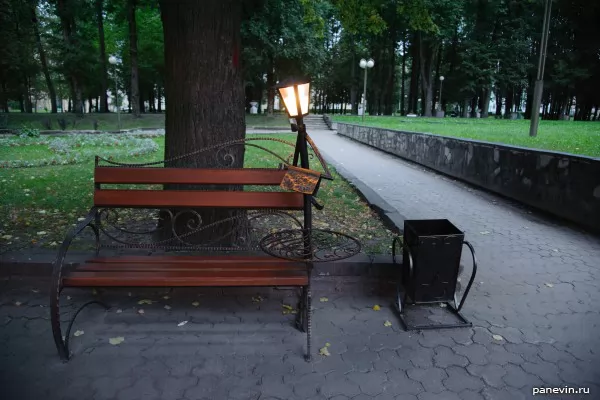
535, 309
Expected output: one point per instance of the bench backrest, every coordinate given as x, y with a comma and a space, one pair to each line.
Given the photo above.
192, 198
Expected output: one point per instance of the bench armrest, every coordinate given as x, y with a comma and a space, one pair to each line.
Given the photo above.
64, 248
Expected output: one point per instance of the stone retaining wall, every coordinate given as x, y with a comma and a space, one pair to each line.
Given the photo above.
565, 185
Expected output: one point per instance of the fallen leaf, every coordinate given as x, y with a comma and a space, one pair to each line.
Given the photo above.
145, 301
35, 290
7, 237
376, 307
167, 307
195, 304
129, 294
18, 303
497, 337
119, 311
323, 299
387, 323
324, 351
94, 292
78, 333
182, 323
287, 307
327, 344
443, 305
116, 340
484, 233
42, 233
166, 297
140, 311
68, 297
80, 219
257, 299
549, 284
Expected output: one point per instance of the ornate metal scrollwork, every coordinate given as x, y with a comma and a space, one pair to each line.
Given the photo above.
325, 245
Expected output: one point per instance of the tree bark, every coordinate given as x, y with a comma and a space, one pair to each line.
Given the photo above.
485, 102
270, 88
133, 54
428, 52
403, 75
42, 54
159, 99
414, 76
103, 66
204, 91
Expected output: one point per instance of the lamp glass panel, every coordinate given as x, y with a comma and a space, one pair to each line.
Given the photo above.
304, 93
289, 99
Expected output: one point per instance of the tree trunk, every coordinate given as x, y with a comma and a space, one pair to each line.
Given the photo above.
204, 91
428, 52
159, 99
485, 102
414, 76
42, 54
270, 88
403, 75
354, 86
3, 98
133, 54
103, 66
465, 113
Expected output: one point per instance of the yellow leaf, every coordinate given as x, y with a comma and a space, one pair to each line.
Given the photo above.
195, 304
497, 337
166, 297
287, 307
376, 307
167, 307
7, 237
257, 299
323, 299
78, 333
119, 311
327, 344
145, 301
18, 303
94, 292
182, 323
550, 285
324, 351
387, 324
141, 312
116, 340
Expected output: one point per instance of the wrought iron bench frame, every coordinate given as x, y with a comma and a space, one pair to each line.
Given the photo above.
102, 217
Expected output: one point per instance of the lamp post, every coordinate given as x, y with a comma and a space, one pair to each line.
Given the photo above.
114, 61
539, 83
440, 111
364, 64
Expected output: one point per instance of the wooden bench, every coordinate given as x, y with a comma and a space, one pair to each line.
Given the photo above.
210, 268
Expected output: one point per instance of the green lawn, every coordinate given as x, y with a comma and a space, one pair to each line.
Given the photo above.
109, 122
565, 136
39, 204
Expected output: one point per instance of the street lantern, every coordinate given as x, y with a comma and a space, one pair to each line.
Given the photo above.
114, 61
364, 64
441, 84
295, 94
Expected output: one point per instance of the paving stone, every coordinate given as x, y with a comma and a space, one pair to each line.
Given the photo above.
174, 388
491, 374
445, 395
444, 357
360, 361
430, 378
340, 386
105, 388
389, 360
518, 378
142, 389
331, 363
528, 352
306, 385
547, 372
370, 383
500, 356
470, 395
390, 341
475, 353
435, 338
400, 384
503, 394
278, 390
459, 380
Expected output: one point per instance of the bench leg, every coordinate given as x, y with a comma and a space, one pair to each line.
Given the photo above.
308, 324
55, 320
301, 315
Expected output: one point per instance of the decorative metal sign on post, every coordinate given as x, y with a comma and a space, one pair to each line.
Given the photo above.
432, 251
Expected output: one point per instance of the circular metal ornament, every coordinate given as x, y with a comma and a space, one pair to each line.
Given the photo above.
325, 245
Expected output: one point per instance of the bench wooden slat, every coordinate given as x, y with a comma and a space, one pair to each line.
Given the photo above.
191, 176
187, 266
198, 259
186, 278
193, 199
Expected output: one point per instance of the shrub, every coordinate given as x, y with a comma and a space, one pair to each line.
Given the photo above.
28, 133
47, 124
3, 120
62, 123
95, 122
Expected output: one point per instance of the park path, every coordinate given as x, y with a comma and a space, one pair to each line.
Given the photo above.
539, 280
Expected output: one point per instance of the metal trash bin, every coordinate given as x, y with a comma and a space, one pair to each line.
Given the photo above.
432, 252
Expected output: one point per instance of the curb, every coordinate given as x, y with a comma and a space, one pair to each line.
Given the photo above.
392, 219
